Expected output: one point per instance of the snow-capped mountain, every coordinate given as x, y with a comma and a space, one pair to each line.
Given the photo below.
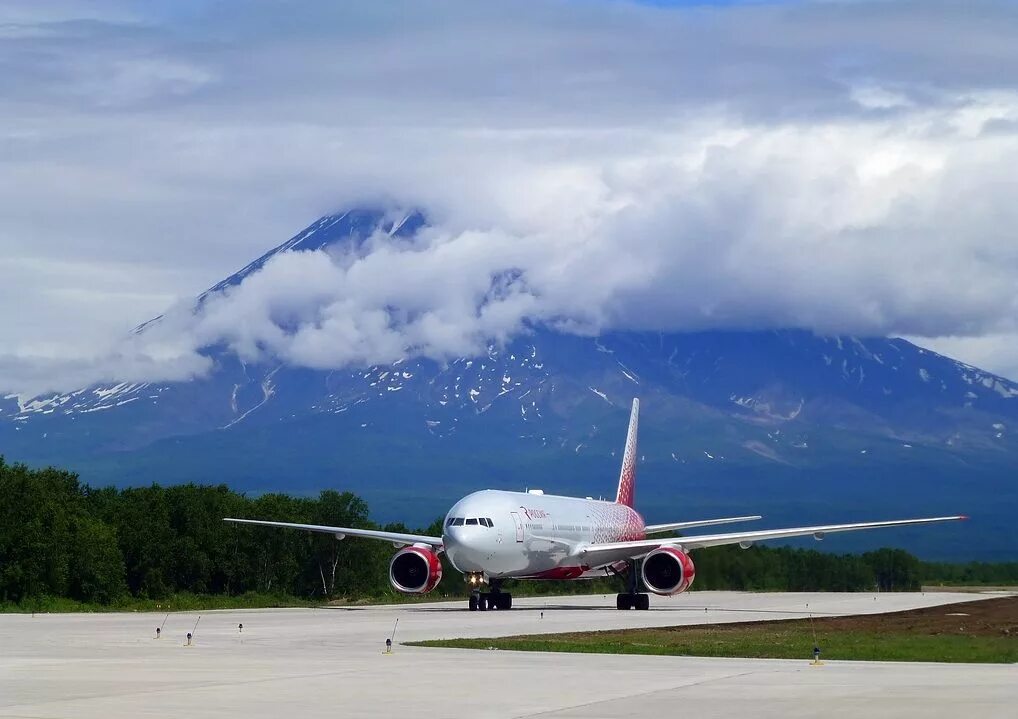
729, 416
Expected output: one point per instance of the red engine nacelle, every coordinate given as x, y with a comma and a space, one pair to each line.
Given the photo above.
668, 571
415, 570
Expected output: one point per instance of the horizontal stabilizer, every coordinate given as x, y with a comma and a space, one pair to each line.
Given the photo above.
676, 526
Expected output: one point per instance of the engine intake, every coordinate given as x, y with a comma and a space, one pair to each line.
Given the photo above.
415, 570
668, 571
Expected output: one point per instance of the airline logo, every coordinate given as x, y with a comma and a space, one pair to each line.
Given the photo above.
627, 479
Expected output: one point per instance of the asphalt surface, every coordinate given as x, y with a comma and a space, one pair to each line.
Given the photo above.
329, 663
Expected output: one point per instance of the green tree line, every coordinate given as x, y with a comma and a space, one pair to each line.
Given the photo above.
61, 538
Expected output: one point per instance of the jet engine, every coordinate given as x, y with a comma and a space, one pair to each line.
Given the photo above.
667, 571
415, 570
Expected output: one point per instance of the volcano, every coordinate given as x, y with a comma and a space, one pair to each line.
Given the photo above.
790, 424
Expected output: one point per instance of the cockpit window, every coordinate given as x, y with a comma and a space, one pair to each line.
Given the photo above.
460, 521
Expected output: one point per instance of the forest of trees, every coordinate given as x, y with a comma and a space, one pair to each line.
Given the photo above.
61, 538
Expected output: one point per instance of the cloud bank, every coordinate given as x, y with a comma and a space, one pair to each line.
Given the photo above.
846, 168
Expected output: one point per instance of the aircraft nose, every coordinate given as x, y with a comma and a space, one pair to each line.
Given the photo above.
462, 546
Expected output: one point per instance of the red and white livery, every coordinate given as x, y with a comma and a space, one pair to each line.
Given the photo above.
491, 536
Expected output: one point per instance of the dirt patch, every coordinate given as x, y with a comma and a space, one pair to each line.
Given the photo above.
983, 618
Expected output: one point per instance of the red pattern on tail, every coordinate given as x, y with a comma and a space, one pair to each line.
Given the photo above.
627, 478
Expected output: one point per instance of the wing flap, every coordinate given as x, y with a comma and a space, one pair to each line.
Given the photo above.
341, 532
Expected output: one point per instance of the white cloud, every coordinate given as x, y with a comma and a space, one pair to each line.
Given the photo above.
847, 168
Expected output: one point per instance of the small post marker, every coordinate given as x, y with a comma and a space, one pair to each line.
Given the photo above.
816, 643
240, 627
159, 632
388, 640
190, 634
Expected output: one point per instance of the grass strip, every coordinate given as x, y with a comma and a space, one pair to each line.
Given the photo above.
790, 641
180, 602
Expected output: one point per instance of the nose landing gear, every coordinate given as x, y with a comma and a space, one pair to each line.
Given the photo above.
495, 599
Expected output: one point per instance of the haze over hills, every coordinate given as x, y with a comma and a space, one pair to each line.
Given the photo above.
796, 426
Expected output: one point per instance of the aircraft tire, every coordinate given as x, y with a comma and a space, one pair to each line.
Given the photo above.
642, 601
624, 601
482, 602
472, 602
503, 600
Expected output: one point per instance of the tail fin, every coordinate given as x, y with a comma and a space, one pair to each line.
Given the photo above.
627, 478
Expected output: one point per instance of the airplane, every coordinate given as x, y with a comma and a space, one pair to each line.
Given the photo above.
491, 536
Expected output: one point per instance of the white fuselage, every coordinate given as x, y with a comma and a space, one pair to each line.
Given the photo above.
532, 535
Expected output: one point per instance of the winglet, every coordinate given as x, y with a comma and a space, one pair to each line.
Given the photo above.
627, 478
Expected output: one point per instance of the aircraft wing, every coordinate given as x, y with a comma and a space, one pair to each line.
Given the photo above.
596, 555
342, 532
676, 526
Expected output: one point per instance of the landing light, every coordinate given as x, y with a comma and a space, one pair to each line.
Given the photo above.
818, 536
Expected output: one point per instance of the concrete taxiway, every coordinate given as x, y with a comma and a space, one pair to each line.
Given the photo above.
329, 662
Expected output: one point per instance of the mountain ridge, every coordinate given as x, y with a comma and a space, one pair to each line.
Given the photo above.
776, 405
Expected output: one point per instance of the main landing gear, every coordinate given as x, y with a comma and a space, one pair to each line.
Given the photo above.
495, 599
632, 598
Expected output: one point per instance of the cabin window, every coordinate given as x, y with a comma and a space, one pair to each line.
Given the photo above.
488, 522
472, 520
457, 522
449, 521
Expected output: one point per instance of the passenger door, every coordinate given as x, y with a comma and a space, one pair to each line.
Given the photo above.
519, 526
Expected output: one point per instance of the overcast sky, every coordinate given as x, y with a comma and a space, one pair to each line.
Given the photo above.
844, 167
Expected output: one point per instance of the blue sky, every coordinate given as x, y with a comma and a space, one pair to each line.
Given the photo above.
843, 167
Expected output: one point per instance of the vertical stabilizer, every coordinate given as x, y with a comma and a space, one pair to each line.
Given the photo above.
627, 478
